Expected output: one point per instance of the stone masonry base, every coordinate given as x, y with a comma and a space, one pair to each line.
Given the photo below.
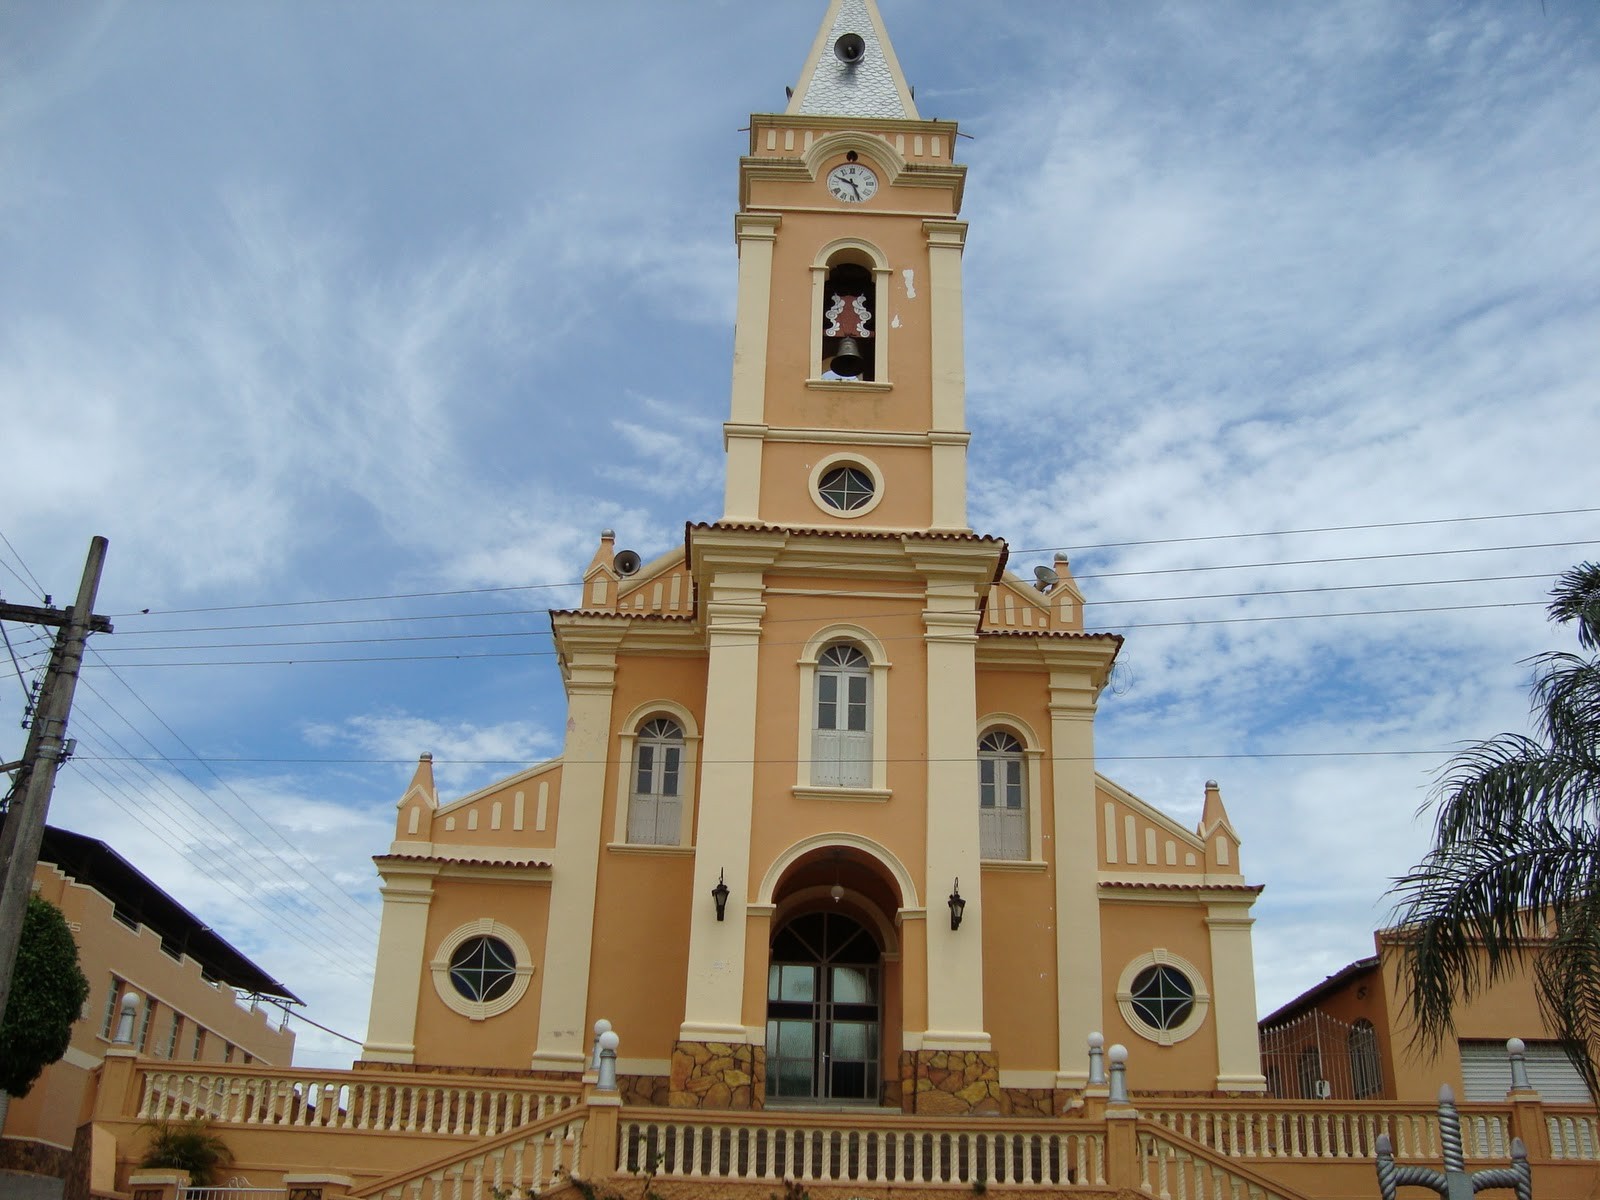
718, 1075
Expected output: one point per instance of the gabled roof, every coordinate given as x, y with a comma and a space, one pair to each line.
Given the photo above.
1309, 997
135, 896
871, 86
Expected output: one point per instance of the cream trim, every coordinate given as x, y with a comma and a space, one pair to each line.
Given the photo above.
1197, 1013
440, 966
498, 785
870, 795
909, 904
860, 437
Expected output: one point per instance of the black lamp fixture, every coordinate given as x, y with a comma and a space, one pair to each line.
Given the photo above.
957, 905
720, 895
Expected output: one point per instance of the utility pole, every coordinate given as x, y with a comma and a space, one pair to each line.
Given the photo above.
36, 776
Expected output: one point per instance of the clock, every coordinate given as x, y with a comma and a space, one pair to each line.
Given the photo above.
852, 182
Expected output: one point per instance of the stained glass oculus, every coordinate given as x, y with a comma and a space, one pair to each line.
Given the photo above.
1163, 997
483, 969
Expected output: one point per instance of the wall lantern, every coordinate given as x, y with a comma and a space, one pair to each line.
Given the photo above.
957, 906
720, 895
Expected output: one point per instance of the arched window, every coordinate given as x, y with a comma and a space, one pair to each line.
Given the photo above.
655, 806
1002, 797
1366, 1077
841, 744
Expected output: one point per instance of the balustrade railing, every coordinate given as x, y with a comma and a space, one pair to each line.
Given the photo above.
1574, 1133
1173, 1171
517, 1162
349, 1100
1332, 1131
819, 1148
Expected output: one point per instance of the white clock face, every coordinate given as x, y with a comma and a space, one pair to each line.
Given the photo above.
852, 182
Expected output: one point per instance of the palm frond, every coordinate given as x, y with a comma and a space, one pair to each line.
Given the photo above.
1576, 597
1513, 778
1464, 913
1566, 693
1568, 981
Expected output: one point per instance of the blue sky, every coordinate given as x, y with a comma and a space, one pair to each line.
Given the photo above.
310, 302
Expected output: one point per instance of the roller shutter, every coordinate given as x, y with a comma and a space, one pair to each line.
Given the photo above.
1486, 1073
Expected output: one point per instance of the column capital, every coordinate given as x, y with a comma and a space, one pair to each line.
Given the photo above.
756, 227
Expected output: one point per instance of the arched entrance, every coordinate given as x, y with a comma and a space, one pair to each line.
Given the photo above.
824, 1011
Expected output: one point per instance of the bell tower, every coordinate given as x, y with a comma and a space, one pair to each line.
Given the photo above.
848, 406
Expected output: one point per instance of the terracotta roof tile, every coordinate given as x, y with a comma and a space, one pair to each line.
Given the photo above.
470, 860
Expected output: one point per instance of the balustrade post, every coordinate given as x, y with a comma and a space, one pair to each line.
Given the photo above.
598, 1149
1527, 1105
1122, 1145
116, 1091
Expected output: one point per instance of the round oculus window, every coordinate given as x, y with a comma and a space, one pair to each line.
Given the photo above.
846, 488
1162, 997
483, 969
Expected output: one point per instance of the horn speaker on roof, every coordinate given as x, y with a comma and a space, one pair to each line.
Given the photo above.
850, 48
627, 562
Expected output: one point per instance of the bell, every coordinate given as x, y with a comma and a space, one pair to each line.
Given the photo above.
848, 359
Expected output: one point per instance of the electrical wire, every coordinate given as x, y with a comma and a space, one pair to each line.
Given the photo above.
496, 654
1016, 551
477, 614
344, 897
338, 912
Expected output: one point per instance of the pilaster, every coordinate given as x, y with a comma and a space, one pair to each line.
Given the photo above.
402, 957
1080, 988
756, 234
1233, 998
730, 572
949, 372
590, 661
954, 956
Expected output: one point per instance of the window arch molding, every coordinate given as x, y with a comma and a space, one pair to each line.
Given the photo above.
863, 254
907, 885
688, 777
439, 967
1033, 785
878, 719
829, 146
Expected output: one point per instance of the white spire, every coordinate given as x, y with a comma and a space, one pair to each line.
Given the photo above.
852, 79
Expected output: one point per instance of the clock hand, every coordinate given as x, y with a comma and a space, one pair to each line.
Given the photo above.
853, 186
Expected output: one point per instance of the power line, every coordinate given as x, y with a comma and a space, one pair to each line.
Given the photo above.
494, 654
38, 588
164, 786
487, 613
339, 911
336, 956
1016, 551
781, 761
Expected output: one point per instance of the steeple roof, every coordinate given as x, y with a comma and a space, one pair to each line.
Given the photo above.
869, 86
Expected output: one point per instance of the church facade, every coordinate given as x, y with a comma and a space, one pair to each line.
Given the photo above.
827, 827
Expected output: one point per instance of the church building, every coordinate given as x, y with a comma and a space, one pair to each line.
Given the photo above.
827, 827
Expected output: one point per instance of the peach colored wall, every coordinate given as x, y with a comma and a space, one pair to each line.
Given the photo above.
445, 1037
1019, 997
1130, 929
641, 946
1509, 1008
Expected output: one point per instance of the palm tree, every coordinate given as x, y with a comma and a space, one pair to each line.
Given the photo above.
1517, 852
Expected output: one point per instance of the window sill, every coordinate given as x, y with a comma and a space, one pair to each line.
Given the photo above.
1014, 864
650, 848
849, 385
868, 795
